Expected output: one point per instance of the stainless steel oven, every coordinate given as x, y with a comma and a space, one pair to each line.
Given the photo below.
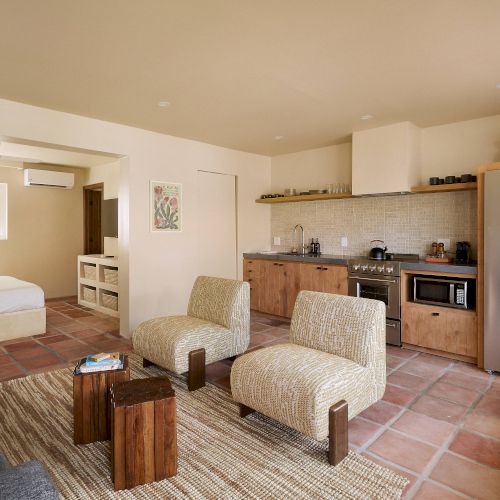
384, 289
379, 282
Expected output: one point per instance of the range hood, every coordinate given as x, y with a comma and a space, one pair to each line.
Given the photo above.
385, 159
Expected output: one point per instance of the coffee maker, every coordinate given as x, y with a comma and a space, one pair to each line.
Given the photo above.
463, 255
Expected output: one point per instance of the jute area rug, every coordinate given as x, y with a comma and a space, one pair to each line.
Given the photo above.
220, 455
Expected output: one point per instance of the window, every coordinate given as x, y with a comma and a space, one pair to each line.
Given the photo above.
3, 211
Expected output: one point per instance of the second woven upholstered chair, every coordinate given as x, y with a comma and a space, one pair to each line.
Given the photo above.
332, 369
217, 326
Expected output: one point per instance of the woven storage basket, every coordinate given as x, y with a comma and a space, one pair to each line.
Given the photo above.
89, 272
111, 276
110, 301
89, 294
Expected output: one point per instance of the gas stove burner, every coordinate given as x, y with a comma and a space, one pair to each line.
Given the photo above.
401, 257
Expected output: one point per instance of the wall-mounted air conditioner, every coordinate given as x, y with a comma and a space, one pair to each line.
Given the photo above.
48, 178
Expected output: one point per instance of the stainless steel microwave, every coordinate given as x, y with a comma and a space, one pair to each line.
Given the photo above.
443, 291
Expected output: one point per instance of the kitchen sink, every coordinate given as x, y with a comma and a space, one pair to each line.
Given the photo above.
292, 253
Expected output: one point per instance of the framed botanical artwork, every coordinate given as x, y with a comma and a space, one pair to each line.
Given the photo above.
166, 206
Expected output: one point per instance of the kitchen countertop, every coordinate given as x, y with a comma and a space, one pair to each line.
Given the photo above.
340, 260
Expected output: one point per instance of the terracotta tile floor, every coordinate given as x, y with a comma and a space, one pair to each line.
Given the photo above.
438, 423
72, 332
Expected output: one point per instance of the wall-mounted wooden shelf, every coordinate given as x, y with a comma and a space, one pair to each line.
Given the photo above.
440, 188
443, 188
305, 197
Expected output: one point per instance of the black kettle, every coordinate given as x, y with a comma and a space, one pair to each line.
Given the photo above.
377, 253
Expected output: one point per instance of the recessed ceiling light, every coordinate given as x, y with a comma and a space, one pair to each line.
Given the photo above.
367, 117
278, 137
163, 104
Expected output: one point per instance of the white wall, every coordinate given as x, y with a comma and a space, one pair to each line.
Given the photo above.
45, 231
109, 175
160, 266
459, 148
451, 149
312, 169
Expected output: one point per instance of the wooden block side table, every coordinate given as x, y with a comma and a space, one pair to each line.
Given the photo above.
91, 408
143, 432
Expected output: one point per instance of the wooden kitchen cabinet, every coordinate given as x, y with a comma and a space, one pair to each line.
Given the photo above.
443, 329
279, 287
251, 273
323, 278
274, 284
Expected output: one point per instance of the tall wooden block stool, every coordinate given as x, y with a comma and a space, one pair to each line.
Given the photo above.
143, 432
91, 404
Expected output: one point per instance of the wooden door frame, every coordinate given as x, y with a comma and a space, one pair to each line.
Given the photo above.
90, 187
480, 259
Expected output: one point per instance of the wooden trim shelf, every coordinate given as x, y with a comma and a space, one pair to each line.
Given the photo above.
444, 188
305, 197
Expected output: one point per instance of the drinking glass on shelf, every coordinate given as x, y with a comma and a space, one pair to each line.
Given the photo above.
330, 188
337, 188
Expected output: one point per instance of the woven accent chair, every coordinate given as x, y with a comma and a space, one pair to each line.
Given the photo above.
217, 326
333, 369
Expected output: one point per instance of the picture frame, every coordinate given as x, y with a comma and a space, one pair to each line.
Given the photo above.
165, 207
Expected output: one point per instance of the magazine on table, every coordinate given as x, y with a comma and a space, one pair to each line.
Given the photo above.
88, 365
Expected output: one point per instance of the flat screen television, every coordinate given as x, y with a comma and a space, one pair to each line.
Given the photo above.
109, 218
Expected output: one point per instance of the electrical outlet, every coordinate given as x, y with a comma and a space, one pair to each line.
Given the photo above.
276, 240
446, 243
343, 242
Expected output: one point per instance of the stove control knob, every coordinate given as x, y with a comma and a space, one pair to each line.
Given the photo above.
355, 267
389, 269
373, 268
364, 267
380, 269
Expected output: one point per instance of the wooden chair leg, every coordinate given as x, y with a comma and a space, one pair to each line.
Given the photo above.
146, 363
338, 436
245, 410
196, 373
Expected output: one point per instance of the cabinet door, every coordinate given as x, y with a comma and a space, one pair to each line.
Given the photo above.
251, 273
270, 287
289, 287
334, 279
311, 276
409, 323
461, 332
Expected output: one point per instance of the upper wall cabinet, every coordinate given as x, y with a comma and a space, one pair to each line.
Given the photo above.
385, 159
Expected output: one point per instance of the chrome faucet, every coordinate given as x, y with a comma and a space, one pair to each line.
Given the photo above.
303, 247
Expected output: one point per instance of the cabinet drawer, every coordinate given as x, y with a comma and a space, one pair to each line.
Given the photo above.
440, 328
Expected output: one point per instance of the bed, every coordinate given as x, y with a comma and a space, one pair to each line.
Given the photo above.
22, 308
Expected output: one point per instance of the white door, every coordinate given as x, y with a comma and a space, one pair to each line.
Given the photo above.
216, 225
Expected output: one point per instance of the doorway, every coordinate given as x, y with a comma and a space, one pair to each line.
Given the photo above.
92, 209
216, 216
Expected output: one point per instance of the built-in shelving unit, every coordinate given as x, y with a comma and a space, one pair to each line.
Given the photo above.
98, 283
443, 188
304, 197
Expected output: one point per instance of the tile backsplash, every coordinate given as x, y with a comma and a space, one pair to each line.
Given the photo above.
406, 223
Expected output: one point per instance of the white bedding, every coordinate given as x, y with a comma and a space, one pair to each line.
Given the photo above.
17, 295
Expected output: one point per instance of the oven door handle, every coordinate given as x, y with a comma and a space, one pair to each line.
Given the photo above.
371, 279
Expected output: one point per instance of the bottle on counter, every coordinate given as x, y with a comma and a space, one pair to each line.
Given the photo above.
318, 247
311, 246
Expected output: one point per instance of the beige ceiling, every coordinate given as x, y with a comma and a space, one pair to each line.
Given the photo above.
240, 72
